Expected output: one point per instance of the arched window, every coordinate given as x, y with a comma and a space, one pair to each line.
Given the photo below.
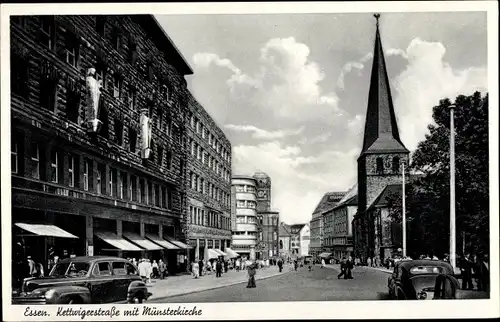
380, 165
395, 165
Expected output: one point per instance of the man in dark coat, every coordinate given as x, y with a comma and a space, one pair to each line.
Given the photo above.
226, 266
349, 267
200, 267
218, 269
466, 268
342, 269
280, 265
252, 270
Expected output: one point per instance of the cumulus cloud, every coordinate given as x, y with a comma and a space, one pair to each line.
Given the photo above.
349, 66
427, 79
258, 133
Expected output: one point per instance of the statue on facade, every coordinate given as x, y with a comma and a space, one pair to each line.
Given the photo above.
93, 94
146, 136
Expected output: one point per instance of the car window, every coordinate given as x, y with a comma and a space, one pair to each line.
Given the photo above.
131, 270
119, 268
427, 270
102, 269
70, 269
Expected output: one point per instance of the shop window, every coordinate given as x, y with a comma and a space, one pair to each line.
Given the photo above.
100, 25
47, 31
71, 170
119, 132
132, 137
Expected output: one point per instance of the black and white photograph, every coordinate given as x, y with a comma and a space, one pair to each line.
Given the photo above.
216, 160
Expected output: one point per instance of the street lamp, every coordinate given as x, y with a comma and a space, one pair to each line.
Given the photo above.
404, 210
452, 190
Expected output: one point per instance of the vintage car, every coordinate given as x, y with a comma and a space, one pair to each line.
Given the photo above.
416, 279
85, 280
447, 287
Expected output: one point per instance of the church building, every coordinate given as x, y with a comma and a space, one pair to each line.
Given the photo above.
379, 163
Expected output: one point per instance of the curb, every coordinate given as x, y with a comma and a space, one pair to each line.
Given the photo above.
215, 287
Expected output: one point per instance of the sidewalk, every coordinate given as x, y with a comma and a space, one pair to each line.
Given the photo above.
186, 284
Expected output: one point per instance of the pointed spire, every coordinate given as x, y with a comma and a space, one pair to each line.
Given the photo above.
381, 128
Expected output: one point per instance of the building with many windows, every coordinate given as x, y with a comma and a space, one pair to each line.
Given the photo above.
209, 187
300, 236
268, 234
244, 212
98, 139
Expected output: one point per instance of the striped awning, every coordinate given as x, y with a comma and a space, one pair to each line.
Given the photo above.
45, 230
115, 241
141, 241
231, 253
212, 254
179, 243
325, 255
221, 253
162, 242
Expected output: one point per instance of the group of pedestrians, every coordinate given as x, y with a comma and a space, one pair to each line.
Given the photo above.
149, 270
476, 267
200, 268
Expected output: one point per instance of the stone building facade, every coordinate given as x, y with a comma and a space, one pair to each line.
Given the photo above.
382, 154
108, 170
209, 186
269, 234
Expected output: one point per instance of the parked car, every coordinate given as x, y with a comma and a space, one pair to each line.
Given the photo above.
447, 287
85, 280
416, 279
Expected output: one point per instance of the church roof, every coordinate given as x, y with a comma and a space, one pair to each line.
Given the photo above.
284, 231
349, 199
329, 200
381, 128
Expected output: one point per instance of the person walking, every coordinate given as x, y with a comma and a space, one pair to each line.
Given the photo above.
156, 271
218, 268
162, 268
280, 265
32, 271
143, 269
200, 267
322, 263
295, 264
349, 268
226, 266
369, 261
466, 268
342, 269
196, 269
252, 270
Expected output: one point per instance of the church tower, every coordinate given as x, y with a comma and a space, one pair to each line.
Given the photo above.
379, 163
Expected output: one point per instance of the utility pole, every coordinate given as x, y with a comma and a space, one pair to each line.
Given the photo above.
404, 211
453, 259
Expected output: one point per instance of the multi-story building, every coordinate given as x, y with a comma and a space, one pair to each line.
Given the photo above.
209, 187
329, 200
300, 239
340, 239
382, 154
245, 227
269, 234
98, 105
285, 242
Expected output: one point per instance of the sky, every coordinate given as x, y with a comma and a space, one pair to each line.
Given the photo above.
290, 90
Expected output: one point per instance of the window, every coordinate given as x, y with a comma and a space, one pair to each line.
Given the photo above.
100, 25
198, 152
111, 181
203, 157
86, 175
159, 158
193, 148
192, 121
131, 98
14, 162
133, 188
102, 269
203, 189
54, 165
117, 39
122, 182
150, 193
71, 170
48, 88
157, 195
203, 132
132, 50
100, 74
119, 268
142, 191
117, 86
99, 181
380, 166
395, 165
132, 137
252, 220
159, 119
73, 100
71, 49
47, 31
119, 132
169, 159
198, 188
240, 204
19, 75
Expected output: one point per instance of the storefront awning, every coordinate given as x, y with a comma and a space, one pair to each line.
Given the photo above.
116, 241
162, 242
45, 230
141, 241
221, 253
325, 255
212, 254
179, 244
231, 253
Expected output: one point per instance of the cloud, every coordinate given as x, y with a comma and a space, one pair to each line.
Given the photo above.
349, 66
427, 79
258, 133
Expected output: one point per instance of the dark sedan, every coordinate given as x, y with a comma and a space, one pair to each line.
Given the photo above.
416, 279
85, 280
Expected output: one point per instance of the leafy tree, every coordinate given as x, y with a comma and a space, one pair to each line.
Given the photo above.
428, 196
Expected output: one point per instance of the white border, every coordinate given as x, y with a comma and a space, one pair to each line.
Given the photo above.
275, 310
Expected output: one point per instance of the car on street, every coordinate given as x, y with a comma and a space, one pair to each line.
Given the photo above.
447, 287
85, 280
416, 279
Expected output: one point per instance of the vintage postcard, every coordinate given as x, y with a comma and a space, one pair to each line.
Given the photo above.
249, 160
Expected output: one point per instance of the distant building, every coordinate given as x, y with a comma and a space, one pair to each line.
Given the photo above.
245, 230
269, 232
328, 201
300, 239
285, 242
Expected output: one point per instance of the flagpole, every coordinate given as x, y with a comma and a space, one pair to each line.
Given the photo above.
452, 190
404, 212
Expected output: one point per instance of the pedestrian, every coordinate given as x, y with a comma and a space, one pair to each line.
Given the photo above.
143, 269
32, 271
218, 268
295, 264
342, 269
466, 268
200, 267
156, 272
369, 261
214, 265
280, 265
251, 275
150, 270
322, 263
196, 269
238, 265
226, 266
349, 268
161, 269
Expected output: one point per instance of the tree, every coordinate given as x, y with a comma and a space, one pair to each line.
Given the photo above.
428, 196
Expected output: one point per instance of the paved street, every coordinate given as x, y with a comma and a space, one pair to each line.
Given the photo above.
317, 285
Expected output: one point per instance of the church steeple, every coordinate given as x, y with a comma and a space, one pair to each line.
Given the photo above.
381, 128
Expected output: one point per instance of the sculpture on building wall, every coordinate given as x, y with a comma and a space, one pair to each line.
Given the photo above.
93, 94
146, 136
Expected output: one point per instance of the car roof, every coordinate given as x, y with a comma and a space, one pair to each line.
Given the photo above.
407, 264
91, 259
